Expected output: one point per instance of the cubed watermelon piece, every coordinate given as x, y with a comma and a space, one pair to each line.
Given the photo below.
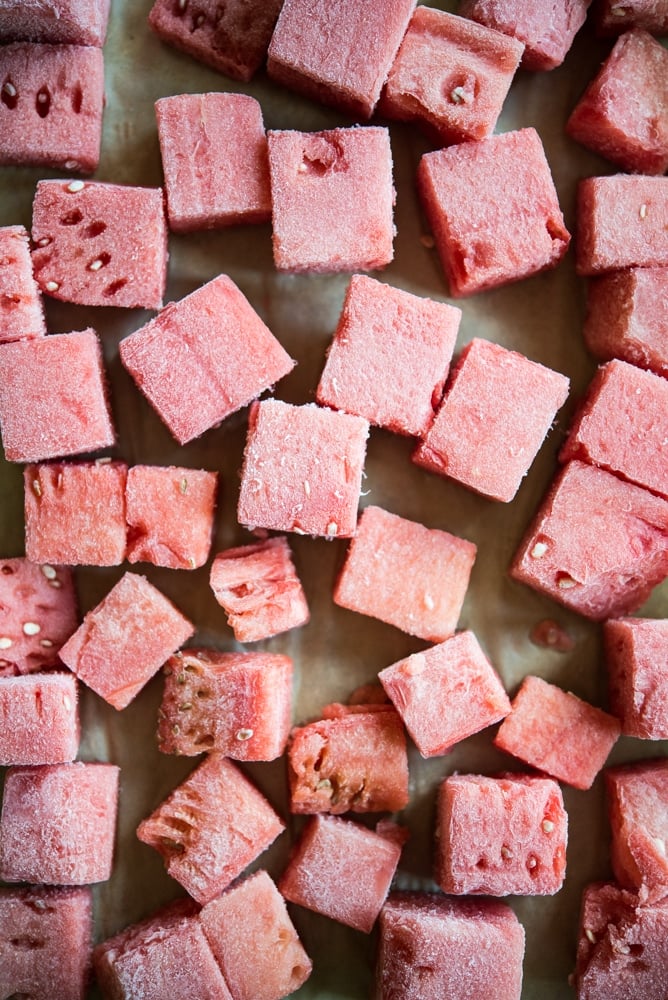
210, 346
636, 651
612, 17
100, 244
21, 312
638, 809
73, 22
39, 719
58, 823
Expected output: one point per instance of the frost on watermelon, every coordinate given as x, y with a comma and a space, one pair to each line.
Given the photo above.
612, 17
39, 719
638, 810
65, 22
21, 312
636, 651
38, 614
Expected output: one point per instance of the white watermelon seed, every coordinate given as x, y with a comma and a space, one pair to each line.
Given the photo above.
539, 550
95, 265
565, 582
52, 286
332, 528
429, 602
9, 89
548, 826
71, 165
31, 628
307, 488
36, 488
49, 572
5, 642
458, 96
47, 643
643, 211
44, 242
244, 734
183, 485
55, 583
506, 853
75, 186
67, 703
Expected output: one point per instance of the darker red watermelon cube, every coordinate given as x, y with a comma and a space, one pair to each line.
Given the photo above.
73, 22
21, 312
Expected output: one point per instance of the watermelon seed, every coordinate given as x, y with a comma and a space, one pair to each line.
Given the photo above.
183, 485
244, 734
429, 602
182, 4
643, 211
52, 286
458, 96
43, 102
186, 706
55, 583
44, 242
307, 488
99, 262
590, 935
31, 628
5, 642
49, 572
36, 488
618, 11
72, 164
539, 550
47, 643
9, 95
548, 826
332, 528
74, 186
506, 853
565, 582
191, 562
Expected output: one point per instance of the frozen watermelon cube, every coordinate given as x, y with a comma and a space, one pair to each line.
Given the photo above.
390, 356
125, 640
214, 158
210, 346
58, 823
636, 650
612, 17
327, 175
45, 942
493, 209
75, 513
38, 613
39, 719
21, 312
341, 870
258, 587
73, 22
169, 515
638, 809
100, 244
406, 574
211, 827
497, 410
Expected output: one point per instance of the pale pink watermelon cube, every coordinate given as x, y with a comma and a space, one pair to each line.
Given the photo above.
446, 693
341, 870
258, 587
73, 22
302, 469
500, 836
210, 346
612, 17
38, 613
406, 574
638, 810
75, 513
390, 356
451, 76
636, 651
58, 823
45, 942
497, 411
21, 311
254, 941
100, 244
169, 513
211, 827
432, 947
493, 210
317, 176
39, 719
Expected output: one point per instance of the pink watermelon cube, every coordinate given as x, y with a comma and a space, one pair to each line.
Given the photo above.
258, 587
100, 244
446, 693
302, 469
66, 22
338, 52
51, 106
451, 76
341, 870
406, 574
500, 836
210, 346
169, 515
125, 640
58, 823
432, 947
582, 548
481, 436
612, 17
214, 158
38, 613
558, 733
390, 356
327, 175
211, 827
635, 653
53, 398
21, 312
254, 941
75, 513
39, 719
45, 942
638, 808
493, 210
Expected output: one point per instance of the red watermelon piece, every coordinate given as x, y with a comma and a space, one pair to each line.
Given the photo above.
38, 613
611, 17
21, 312
39, 719
73, 22
635, 653
638, 809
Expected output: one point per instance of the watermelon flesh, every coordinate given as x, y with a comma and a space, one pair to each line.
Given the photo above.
635, 651
73, 22
39, 719
21, 312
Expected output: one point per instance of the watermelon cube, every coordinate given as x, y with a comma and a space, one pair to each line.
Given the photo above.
390, 356
406, 574
327, 175
636, 650
638, 808
211, 827
75, 513
53, 399
493, 210
214, 158
446, 693
481, 436
258, 587
58, 823
611, 17
99, 244
302, 469
73, 22
21, 312
125, 640
39, 719
38, 613
210, 346
500, 836
320, 877
169, 515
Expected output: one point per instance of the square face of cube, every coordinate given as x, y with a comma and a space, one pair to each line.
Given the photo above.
122, 232
406, 574
21, 313
53, 398
635, 651
497, 410
318, 176
390, 356
65, 22
38, 613
211, 347
493, 210
58, 823
40, 719
638, 811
